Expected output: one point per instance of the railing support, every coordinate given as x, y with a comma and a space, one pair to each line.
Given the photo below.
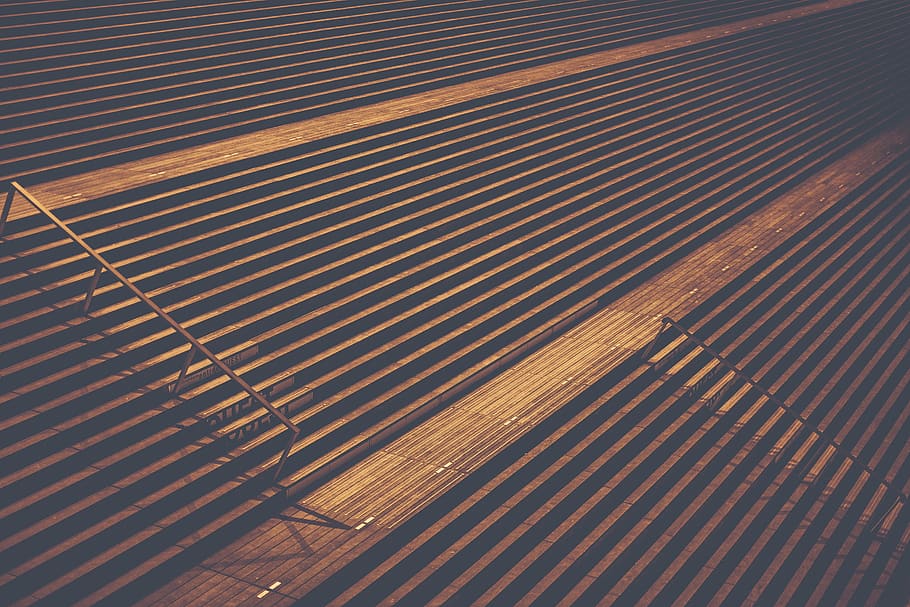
102, 263
186, 367
285, 454
4, 214
90, 291
667, 321
647, 353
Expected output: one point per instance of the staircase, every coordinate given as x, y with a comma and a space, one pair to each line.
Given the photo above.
352, 282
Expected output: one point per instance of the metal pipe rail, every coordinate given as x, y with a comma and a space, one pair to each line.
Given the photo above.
195, 345
667, 321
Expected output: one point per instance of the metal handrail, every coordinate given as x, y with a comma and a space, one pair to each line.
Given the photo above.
195, 344
838, 447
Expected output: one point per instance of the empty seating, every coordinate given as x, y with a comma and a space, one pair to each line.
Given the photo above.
118, 83
634, 491
354, 281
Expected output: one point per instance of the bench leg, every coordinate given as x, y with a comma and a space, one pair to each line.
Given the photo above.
186, 366
90, 292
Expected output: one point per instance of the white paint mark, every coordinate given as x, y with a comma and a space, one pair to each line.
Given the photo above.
369, 519
262, 594
725, 268
275, 585
509, 421
777, 230
360, 526
803, 213
447, 465
438, 470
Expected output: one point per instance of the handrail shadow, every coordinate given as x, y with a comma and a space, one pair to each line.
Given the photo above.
838, 447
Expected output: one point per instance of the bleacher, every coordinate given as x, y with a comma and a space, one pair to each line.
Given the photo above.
358, 281
641, 491
107, 83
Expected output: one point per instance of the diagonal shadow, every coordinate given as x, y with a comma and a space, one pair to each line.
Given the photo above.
318, 519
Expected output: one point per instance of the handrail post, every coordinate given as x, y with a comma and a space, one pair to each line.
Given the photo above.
647, 352
284, 455
186, 366
6, 208
90, 291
